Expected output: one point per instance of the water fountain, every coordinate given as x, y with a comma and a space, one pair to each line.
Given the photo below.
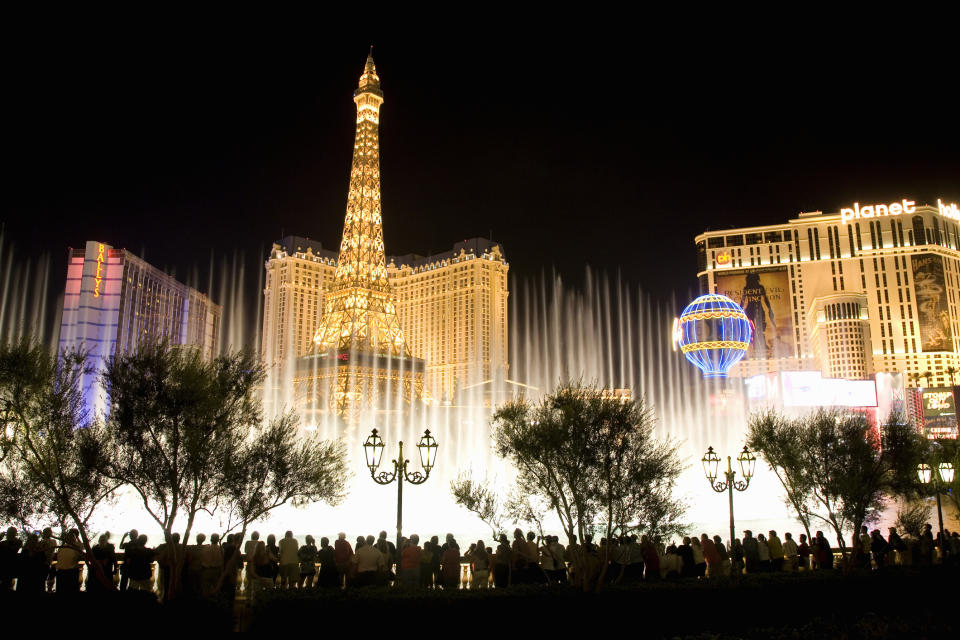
604, 331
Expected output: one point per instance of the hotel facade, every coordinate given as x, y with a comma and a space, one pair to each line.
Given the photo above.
872, 288
452, 308
115, 301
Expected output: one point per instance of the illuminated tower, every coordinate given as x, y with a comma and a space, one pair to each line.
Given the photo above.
361, 363
360, 313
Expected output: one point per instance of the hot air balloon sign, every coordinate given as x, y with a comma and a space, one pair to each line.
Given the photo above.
713, 333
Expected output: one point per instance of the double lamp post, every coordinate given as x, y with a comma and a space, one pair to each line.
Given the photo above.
373, 450
944, 475
711, 463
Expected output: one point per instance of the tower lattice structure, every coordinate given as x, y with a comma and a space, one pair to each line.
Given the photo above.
360, 312
362, 364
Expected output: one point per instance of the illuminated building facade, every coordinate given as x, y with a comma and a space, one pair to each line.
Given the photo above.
114, 301
439, 322
866, 290
452, 308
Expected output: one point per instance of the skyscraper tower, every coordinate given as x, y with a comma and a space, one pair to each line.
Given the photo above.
360, 313
361, 364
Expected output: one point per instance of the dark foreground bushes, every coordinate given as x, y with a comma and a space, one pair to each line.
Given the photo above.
894, 603
129, 612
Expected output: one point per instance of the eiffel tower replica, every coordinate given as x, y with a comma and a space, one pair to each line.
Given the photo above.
361, 365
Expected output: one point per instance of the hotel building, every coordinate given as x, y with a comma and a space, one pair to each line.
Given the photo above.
868, 289
114, 301
452, 308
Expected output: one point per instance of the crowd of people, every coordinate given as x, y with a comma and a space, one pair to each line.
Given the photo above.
219, 567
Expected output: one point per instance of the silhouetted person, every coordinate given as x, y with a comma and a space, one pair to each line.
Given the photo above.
68, 564
307, 556
344, 554
139, 561
105, 555
124, 544
751, 552
33, 566
329, 576
450, 565
389, 551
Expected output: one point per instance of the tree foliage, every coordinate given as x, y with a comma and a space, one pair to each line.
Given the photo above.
174, 421
841, 469
912, 517
276, 465
779, 441
592, 460
480, 497
50, 442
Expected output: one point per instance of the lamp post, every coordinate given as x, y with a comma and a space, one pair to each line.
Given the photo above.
711, 462
944, 474
373, 450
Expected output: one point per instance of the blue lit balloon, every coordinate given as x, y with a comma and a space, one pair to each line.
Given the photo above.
713, 333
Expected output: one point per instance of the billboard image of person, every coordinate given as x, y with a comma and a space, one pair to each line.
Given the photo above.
930, 289
764, 296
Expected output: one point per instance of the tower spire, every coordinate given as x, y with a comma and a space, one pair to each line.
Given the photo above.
360, 311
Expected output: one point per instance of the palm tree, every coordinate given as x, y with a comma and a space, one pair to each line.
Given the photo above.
952, 371
927, 375
915, 378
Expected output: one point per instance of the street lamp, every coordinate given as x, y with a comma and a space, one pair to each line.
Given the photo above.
945, 475
711, 462
373, 452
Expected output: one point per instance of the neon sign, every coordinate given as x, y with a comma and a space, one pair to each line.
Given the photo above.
724, 259
949, 210
877, 210
98, 278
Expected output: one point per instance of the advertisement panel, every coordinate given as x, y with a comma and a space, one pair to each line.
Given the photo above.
810, 389
939, 413
802, 389
930, 289
764, 295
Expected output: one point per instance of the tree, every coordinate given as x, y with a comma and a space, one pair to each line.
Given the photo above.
591, 459
911, 519
526, 508
952, 372
915, 378
480, 497
174, 421
276, 465
49, 444
779, 442
927, 375
847, 469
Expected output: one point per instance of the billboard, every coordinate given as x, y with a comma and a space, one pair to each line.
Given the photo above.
764, 295
939, 413
808, 389
930, 289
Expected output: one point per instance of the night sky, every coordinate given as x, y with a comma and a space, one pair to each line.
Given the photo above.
569, 152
